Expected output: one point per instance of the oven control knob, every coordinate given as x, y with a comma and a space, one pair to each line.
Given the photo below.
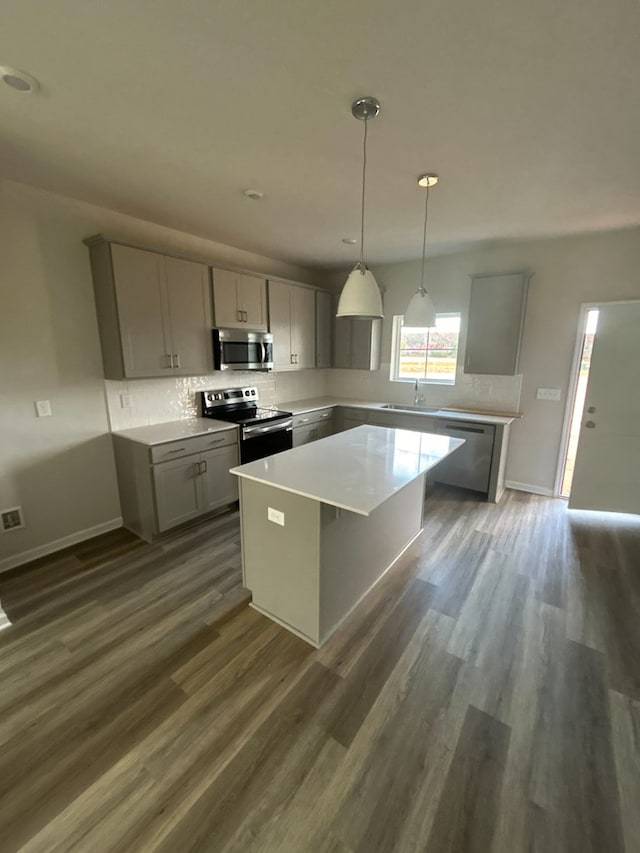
247, 393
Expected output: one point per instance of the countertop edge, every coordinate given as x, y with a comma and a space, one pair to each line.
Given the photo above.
314, 404
334, 502
211, 426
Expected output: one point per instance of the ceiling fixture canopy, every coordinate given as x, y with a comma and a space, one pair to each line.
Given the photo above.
421, 312
360, 295
18, 80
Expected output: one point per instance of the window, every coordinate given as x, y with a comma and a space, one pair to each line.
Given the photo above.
430, 355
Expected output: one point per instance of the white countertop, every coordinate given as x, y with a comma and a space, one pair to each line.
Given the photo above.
299, 407
174, 430
357, 470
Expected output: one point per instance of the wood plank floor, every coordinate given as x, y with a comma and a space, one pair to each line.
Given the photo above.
485, 696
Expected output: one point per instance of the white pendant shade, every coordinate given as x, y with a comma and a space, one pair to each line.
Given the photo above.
420, 312
360, 296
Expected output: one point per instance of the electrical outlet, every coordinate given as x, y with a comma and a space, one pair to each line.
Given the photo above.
276, 516
548, 394
43, 408
11, 519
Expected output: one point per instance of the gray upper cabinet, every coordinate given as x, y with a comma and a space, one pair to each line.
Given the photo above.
154, 312
356, 343
496, 319
292, 319
239, 300
323, 328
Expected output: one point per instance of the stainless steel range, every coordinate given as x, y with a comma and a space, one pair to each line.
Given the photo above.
263, 431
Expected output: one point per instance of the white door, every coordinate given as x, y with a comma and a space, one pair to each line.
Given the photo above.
607, 471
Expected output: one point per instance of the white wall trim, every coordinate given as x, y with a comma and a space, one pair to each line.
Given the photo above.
59, 544
529, 487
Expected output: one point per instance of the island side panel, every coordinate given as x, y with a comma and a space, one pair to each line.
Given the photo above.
355, 551
280, 565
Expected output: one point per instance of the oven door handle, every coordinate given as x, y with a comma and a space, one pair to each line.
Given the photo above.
255, 431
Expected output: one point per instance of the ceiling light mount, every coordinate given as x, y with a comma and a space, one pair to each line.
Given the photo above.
360, 295
255, 195
18, 80
365, 108
428, 180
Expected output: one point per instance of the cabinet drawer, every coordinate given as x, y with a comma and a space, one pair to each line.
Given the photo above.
306, 418
196, 444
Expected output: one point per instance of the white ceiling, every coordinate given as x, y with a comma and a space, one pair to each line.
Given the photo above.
529, 111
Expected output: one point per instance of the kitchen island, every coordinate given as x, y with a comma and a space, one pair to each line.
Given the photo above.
323, 522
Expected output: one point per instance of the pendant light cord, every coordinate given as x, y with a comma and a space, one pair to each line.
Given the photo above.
364, 174
424, 237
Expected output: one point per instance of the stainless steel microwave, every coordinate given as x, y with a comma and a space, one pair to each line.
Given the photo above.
237, 349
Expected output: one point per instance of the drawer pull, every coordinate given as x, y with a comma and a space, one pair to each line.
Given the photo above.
216, 440
177, 450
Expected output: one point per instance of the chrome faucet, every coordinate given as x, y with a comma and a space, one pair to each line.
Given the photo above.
418, 398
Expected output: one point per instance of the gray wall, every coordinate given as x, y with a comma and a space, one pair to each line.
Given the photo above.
568, 272
61, 469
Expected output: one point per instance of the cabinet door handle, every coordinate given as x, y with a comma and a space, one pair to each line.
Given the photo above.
239, 313
176, 360
202, 467
291, 358
196, 468
246, 316
169, 363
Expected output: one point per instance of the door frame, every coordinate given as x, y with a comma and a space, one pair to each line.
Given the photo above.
585, 307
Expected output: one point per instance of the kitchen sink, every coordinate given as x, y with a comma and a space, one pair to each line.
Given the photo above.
426, 409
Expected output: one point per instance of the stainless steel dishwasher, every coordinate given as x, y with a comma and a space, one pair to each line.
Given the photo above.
469, 466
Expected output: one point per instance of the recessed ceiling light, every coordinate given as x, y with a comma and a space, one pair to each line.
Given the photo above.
18, 80
254, 194
350, 241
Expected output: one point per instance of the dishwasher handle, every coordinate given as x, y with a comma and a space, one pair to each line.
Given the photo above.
458, 428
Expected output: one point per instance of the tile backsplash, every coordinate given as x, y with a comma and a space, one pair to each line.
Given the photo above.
154, 401
499, 393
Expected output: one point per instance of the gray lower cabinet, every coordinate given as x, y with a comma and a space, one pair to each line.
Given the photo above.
478, 465
165, 485
311, 426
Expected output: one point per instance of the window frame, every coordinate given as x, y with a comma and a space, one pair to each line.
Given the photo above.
394, 367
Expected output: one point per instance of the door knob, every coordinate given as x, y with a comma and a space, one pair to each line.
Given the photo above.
590, 424
591, 409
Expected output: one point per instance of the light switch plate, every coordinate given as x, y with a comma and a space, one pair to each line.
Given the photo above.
125, 401
43, 408
548, 394
276, 516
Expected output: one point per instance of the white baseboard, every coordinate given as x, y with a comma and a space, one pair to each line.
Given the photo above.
58, 544
528, 487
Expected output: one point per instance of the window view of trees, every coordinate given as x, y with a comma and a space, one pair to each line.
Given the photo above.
429, 354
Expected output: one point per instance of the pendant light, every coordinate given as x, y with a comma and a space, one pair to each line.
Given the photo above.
421, 312
360, 295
